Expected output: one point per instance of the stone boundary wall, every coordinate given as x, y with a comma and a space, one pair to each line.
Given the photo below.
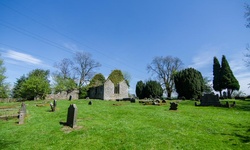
8, 100
63, 95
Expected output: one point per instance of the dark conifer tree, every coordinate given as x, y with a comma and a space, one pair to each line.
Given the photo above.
189, 83
217, 76
140, 86
228, 80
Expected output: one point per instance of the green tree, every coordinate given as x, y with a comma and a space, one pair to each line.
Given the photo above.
116, 76
153, 89
165, 68
207, 85
189, 83
228, 80
217, 76
4, 87
64, 84
36, 85
140, 86
97, 80
16, 91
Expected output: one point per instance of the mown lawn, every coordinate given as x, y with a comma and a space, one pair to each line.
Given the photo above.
125, 125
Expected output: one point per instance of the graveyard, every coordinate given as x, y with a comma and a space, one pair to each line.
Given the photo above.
125, 125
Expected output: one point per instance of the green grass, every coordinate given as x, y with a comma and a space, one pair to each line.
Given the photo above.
125, 125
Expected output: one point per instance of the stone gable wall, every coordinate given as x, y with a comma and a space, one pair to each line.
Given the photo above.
109, 90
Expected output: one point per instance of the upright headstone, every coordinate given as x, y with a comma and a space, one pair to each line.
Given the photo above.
90, 102
173, 106
23, 108
54, 104
52, 107
70, 97
72, 116
21, 117
210, 100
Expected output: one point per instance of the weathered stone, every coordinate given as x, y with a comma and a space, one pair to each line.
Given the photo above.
23, 108
173, 106
209, 100
52, 107
72, 116
21, 117
132, 100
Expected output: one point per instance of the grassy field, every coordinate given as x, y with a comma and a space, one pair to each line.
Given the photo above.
125, 125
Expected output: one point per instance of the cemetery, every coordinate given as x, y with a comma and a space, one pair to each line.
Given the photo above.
97, 124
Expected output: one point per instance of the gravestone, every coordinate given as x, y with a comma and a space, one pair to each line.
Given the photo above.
132, 100
70, 97
52, 107
23, 108
209, 100
173, 106
21, 117
72, 116
90, 102
54, 103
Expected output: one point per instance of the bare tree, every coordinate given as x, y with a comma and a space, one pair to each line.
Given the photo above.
64, 68
247, 15
164, 68
84, 67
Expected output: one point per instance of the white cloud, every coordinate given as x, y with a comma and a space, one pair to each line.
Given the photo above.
72, 47
17, 56
204, 58
204, 62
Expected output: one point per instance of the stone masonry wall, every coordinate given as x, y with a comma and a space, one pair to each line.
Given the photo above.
64, 95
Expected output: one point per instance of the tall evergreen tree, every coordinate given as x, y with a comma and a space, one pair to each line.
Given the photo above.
153, 89
228, 80
189, 83
217, 76
140, 86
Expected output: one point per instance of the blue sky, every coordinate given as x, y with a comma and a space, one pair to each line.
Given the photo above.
124, 34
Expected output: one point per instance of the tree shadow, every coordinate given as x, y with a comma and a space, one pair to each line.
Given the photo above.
4, 144
243, 138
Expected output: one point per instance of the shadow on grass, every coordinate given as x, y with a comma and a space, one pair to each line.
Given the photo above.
243, 138
4, 144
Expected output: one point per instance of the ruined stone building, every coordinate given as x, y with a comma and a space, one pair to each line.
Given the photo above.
109, 91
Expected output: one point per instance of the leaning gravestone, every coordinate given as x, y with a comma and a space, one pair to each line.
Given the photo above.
72, 115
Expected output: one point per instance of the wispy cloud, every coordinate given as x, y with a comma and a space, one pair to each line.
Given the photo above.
203, 62
71, 46
204, 58
17, 56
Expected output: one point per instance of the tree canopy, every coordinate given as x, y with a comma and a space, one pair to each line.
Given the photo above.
4, 87
116, 76
165, 68
228, 80
140, 86
217, 76
36, 85
97, 80
189, 83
